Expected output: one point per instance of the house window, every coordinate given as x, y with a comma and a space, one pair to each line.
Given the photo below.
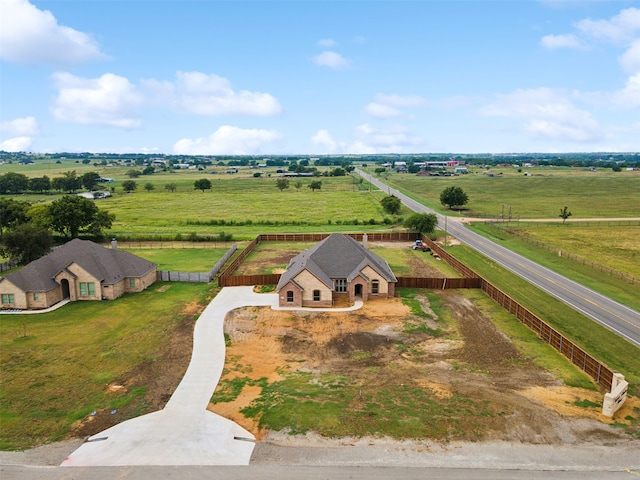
341, 285
87, 289
8, 298
132, 283
375, 287
35, 297
289, 296
316, 295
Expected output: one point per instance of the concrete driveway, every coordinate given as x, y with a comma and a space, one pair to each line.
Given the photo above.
184, 432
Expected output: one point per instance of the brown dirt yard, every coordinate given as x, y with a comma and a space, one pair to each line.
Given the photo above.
472, 361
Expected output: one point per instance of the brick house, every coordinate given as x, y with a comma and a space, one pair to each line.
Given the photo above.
78, 270
336, 266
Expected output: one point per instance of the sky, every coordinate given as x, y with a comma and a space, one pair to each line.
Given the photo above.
311, 77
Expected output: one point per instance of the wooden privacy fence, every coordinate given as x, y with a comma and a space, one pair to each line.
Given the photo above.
597, 370
438, 283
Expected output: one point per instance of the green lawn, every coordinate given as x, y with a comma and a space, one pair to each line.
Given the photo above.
182, 259
58, 372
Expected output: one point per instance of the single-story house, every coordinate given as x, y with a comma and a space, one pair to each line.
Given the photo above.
336, 266
78, 270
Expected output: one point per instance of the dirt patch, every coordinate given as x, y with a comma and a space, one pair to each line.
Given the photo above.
373, 345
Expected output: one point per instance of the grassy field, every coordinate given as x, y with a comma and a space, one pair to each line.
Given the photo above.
181, 259
59, 371
603, 344
587, 194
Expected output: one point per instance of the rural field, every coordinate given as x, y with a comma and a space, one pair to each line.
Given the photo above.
389, 370
601, 194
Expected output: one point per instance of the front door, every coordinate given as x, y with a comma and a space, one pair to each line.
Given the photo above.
358, 290
65, 288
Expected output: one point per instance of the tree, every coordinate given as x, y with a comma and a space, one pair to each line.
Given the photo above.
170, 187
315, 185
90, 180
282, 183
149, 186
565, 213
71, 182
391, 204
148, 170
71, 213
103, 220
202, 184
12, 213
453, 197
40, 184
298, 185
12, 182
26, 243
422, 222
380, 170
129, 186
133, 173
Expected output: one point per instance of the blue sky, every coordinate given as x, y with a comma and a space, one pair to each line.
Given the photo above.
319, 77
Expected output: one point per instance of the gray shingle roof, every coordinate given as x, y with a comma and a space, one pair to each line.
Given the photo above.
107, 265
337, 256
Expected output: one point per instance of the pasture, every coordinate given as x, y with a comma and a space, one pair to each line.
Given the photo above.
542, 195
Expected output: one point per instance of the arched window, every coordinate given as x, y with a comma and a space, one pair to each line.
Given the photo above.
375, 287
289, 296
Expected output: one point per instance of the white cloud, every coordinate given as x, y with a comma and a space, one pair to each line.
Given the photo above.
630, 59
561, 41
394, 139
227, 140
380, 110
386, 106
30, 35
323, 140
546, 113
212, 95
629, 96
109, 100
209, 94
620, 28
327, 42
16, 144
26, 126
331, 59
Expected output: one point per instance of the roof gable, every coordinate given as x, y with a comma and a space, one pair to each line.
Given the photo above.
106, 265
337, 256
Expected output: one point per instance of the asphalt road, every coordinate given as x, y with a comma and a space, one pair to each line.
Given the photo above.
618, 318
291, 472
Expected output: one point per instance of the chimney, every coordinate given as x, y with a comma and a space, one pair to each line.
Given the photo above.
114, 244
365, 241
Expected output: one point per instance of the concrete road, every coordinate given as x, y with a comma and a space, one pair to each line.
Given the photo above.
618, 318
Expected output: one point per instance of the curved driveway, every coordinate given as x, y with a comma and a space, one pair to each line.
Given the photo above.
618, 318
185, 432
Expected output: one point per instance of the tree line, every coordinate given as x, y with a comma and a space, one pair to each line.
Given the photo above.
27, 231
69, 182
